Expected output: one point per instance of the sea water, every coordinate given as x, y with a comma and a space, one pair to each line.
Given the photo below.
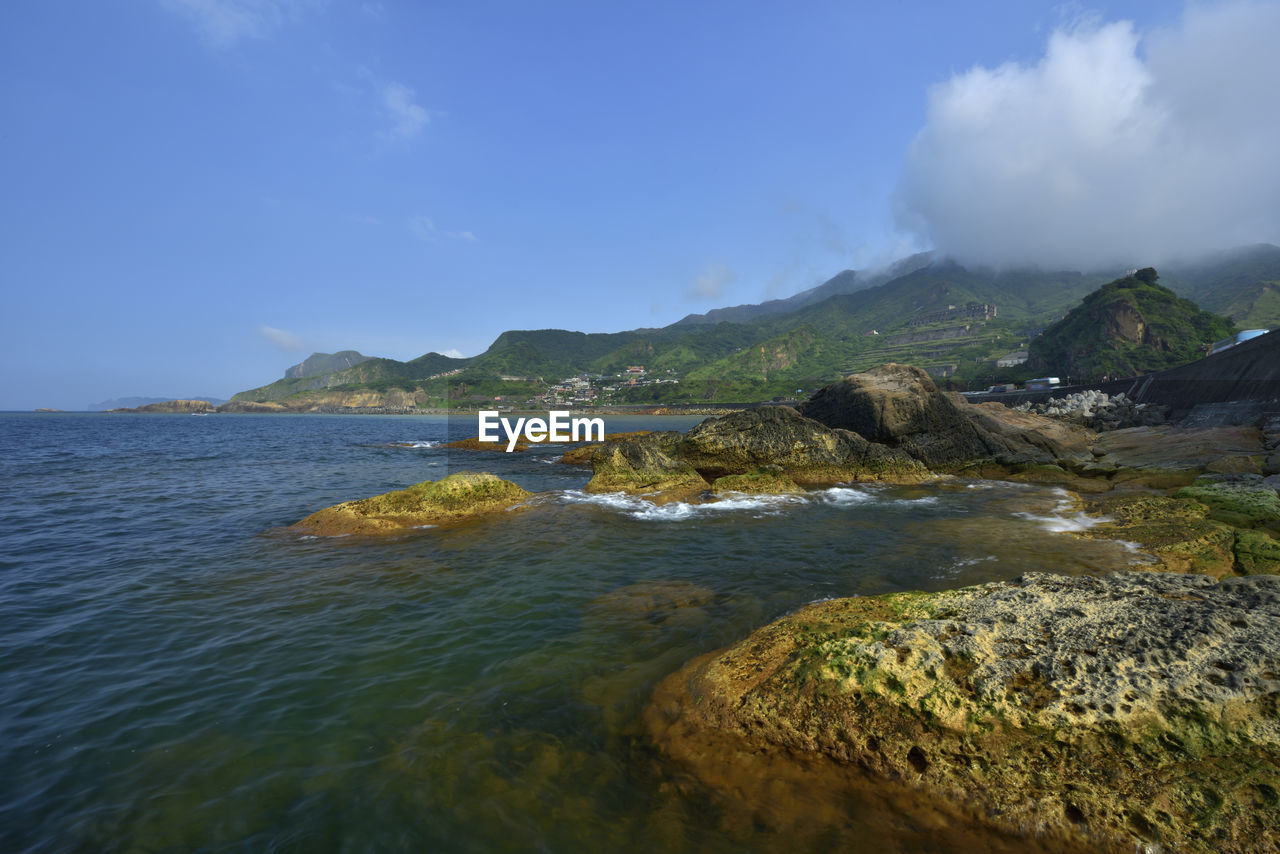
181, 672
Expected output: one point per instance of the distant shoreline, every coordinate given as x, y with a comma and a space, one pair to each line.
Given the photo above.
674, 409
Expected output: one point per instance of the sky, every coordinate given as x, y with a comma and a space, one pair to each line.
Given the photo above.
200, 193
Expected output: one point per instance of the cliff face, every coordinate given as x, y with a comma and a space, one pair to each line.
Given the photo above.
1127, 327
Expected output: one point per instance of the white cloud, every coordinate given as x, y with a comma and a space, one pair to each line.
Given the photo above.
222, 23
407, 117
1103, 153
286, 341
453, 353
424, 228
710, 283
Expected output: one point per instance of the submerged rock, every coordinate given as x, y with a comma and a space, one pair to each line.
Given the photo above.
452, 498
1137, 709
475, 443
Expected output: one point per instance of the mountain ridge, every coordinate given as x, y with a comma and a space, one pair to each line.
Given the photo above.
954, 321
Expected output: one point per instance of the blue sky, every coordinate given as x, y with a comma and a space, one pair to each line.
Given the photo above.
199, 193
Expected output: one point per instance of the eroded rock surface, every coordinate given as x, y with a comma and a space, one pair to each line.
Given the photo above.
455, 497
766, 449
899, 406
1136, 709
647, 464
806, 450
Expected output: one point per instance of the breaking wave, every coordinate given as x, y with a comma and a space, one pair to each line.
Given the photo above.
756, 506
1063, 518
639, 507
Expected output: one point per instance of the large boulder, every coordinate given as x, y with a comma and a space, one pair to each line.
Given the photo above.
1133, 711
899, 406
449, 499
1018, 437
780, 437
647, 464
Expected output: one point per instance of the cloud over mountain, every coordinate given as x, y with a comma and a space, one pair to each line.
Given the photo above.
1115, 148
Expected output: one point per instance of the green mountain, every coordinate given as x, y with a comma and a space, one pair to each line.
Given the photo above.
954, 321
1130, 326
846, 282
1242, 284
372, 372
324, 363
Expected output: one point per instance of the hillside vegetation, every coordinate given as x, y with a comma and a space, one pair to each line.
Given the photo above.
1130, 326
953, 321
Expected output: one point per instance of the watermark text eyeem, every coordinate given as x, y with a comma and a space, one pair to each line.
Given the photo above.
558, 427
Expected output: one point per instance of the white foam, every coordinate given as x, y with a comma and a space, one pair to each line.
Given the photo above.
997, 484
845, 495
954, 568
926, 501
1060, 521
418, 443
1140, 554
639, 507
757, 506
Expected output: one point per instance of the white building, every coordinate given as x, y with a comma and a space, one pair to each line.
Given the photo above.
1012, 360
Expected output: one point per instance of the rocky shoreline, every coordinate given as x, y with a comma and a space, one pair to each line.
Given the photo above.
1133, 711
1138, 711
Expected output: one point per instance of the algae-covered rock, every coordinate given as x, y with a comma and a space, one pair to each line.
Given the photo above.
475, 443
764, 481
1242, 504
808, 451
1176, 531
431, 502
644, 465
1256, 553
1136, 709
582, 454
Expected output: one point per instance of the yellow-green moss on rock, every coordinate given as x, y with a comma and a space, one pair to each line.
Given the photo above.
645, 465
1256, 553
1133, 711
1237, 504
452, 498
1176, 531
763, 481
